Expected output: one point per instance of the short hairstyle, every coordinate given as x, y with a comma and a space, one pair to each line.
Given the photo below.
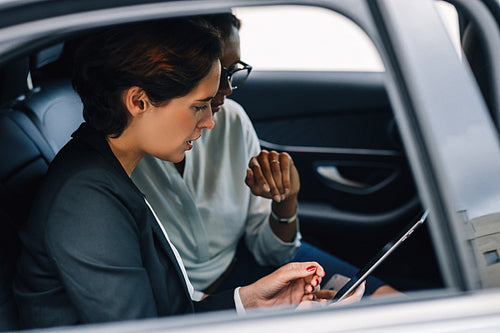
223, 23
167, 59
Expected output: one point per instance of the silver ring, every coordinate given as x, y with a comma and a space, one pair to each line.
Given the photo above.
275, 161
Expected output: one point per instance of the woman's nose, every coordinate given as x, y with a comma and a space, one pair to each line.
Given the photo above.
208, 119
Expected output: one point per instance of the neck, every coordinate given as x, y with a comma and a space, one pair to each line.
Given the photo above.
180, 166
125, 152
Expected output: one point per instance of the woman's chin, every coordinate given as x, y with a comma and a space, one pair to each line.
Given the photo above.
171, 158
177, 158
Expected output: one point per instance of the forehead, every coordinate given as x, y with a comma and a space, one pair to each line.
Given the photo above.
208, 86
231, 48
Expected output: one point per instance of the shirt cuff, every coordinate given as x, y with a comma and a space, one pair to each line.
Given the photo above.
271, 236
197, 295
240, 309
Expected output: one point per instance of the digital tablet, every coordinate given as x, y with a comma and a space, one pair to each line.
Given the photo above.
363, 273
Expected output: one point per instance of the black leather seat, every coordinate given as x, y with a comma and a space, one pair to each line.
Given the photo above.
34, 124
25, 158
56, 110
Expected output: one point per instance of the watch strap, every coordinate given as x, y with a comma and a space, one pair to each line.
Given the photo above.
284, 220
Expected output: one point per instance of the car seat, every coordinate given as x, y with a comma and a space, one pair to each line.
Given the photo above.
37, 117
53, 105
25, 158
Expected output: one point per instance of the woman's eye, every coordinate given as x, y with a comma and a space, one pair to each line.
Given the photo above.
200, 108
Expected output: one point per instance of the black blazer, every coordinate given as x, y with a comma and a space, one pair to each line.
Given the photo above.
93, 251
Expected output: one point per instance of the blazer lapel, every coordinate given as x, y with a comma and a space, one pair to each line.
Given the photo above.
168, 249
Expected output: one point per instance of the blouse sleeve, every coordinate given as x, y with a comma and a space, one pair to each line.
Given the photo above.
267, 248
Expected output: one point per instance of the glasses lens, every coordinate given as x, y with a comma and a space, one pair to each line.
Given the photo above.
239, 77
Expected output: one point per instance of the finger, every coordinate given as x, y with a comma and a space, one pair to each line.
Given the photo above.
297, 270
360, 291
249, 180
325, 294
306, 301
307, 304
274, 160
314, 281
314, 284
285, 162
259, 177
320, 272
356, 296
265, 167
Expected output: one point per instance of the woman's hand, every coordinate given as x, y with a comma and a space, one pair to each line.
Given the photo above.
288, 285
356, 296
324, 297
273, 175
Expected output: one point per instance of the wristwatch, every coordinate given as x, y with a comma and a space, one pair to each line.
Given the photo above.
284, 220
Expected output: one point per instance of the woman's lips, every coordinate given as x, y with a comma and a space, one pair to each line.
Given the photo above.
190, 143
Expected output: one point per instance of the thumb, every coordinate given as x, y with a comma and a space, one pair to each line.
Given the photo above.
355, 297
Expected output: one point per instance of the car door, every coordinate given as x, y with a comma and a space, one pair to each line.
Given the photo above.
452, 148
336, 122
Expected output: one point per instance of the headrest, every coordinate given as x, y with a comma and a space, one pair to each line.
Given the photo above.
14, 81
47, 56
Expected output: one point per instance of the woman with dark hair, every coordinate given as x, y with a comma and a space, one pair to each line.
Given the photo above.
94, 250
221, 185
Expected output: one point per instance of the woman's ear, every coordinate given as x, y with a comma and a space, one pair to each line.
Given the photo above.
136, 101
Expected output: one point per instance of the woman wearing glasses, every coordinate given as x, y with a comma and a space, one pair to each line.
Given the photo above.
215, 203
94, 250
203, 201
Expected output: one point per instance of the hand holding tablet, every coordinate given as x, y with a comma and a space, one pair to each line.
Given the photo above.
346, 287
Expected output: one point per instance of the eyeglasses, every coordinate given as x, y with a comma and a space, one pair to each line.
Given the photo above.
237, 75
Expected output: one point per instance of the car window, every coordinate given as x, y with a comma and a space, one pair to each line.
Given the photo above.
304, 38
313, 38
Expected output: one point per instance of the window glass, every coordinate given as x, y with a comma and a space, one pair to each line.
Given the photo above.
304, 38
312, 38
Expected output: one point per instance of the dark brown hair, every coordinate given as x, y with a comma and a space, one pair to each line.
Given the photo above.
167, 59
223, 23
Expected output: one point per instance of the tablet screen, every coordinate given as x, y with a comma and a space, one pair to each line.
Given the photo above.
363, 273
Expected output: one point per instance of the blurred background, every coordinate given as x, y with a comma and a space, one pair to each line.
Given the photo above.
312, 38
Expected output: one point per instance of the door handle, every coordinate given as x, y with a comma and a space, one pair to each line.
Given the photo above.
331, 174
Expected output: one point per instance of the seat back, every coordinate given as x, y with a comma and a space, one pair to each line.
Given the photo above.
34, 125
25, 159
26, 155
57, 111
55, 108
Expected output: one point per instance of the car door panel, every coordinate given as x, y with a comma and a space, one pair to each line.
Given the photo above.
357, 191
340, 130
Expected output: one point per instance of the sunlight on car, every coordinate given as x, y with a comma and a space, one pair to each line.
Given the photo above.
449, 16
304, 38
313, 38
